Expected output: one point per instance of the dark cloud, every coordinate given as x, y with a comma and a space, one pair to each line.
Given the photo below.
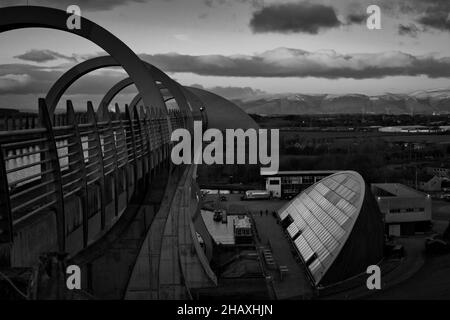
355, 18
284, 62
26, 79
43, 56
431, 14
408, 30
439, 20
90, 5
31, 79
294, 17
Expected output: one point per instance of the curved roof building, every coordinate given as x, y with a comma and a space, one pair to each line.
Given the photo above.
222, 113
336, 228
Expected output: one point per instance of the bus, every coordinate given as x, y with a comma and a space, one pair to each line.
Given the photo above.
256, 195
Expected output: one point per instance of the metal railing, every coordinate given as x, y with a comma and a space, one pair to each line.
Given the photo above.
76, 167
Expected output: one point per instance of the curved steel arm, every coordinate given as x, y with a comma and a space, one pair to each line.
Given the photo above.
20, 17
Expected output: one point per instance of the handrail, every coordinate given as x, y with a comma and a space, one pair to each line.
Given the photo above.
22, 132
53, 155
43, 169
133, 140
101, 174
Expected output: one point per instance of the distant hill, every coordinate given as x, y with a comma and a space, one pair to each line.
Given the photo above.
424, 102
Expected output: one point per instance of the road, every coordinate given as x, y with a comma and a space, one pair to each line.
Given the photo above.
432, 281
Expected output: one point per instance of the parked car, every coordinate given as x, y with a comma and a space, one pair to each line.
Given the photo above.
220, 215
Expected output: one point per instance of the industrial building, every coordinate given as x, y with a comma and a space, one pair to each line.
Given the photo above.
429, 183
406, 210
335, 227
288, 184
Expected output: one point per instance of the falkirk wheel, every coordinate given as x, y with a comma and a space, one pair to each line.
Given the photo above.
105, 204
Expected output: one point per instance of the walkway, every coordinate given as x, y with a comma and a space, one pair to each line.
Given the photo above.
295, 283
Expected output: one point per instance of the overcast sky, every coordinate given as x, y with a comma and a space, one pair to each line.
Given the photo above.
271, 46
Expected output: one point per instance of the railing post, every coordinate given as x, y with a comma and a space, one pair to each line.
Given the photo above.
79, 157
142, 138
147, 138
111, 142
93, 120
123, 148
133, 141
46, 122
13, 118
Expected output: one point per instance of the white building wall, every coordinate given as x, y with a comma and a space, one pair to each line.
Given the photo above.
274, 189
396, 209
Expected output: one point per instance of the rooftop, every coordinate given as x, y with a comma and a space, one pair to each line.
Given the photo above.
242, 222
396, 190
322, 219
222, 233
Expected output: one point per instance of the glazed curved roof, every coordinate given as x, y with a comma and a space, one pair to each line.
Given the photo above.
222, 113
323, 217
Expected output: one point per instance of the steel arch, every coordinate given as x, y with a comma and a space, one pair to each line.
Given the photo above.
76, 72
20, 17
115, 90
112, 93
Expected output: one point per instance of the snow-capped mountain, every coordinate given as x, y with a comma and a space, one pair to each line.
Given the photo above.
424, 102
